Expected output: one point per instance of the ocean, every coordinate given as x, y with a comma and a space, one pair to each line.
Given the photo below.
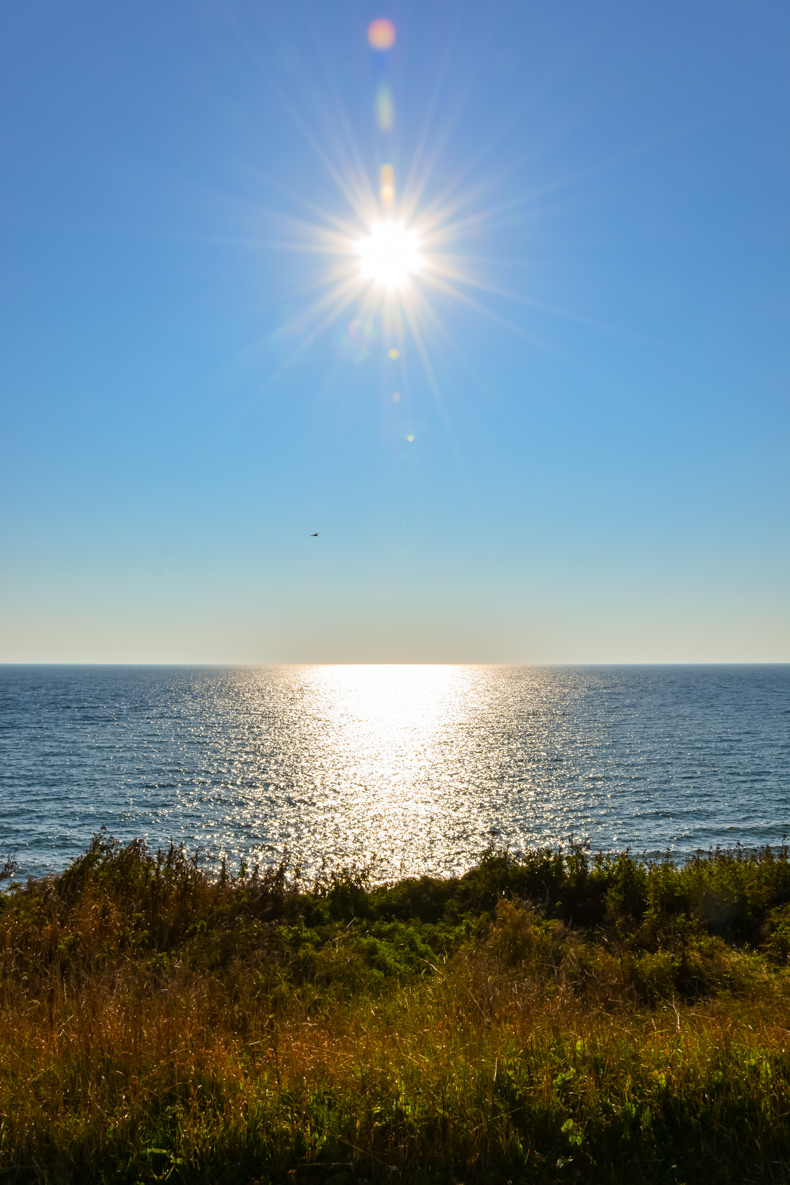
407, 769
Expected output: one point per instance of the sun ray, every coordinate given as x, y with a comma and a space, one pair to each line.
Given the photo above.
360, 204
464, 298
447, 267
434, 384
417, 177
397, 254
337, 299
429, 312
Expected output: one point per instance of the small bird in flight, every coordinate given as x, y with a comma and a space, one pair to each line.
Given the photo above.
314, 535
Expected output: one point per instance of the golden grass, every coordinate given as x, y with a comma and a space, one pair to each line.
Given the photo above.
247, 1045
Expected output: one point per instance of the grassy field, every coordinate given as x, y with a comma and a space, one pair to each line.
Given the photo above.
552, 1016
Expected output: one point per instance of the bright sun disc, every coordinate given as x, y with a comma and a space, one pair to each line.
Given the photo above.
390, 254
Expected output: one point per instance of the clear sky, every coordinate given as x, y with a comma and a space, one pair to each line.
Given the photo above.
580, 451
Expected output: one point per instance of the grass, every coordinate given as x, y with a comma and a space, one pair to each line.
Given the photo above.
550, 1016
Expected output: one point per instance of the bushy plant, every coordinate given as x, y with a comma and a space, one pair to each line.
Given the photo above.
551, 1015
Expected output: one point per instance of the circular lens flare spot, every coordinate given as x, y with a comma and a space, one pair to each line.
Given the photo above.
353, 342
389, 254
381, 33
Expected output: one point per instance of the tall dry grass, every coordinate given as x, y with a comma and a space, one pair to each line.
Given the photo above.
158, 1024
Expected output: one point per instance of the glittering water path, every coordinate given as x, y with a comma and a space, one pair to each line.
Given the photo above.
419, 767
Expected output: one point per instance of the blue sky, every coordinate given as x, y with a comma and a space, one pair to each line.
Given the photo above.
587, 461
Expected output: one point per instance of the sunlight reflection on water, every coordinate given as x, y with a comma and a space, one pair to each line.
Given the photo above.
414, 767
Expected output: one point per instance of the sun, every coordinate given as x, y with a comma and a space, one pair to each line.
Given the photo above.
392, 260
389, 255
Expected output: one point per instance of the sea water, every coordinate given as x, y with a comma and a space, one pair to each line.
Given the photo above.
409, 769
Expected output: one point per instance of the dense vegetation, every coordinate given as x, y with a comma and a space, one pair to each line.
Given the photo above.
550, 1016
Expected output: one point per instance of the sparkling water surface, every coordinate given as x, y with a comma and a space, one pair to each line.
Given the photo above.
416, 768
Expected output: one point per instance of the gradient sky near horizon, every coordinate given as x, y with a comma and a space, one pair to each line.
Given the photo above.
579, 453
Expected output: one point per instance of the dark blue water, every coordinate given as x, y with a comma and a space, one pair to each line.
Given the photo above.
414, 768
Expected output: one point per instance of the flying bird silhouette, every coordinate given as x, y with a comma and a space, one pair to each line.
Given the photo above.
314, 535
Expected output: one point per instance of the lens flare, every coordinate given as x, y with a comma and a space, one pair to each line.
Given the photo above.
385, 108
381, 33
387, 188
389, 255
366, 294
353, 341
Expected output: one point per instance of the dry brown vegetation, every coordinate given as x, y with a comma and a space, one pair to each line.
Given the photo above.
548, 1017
